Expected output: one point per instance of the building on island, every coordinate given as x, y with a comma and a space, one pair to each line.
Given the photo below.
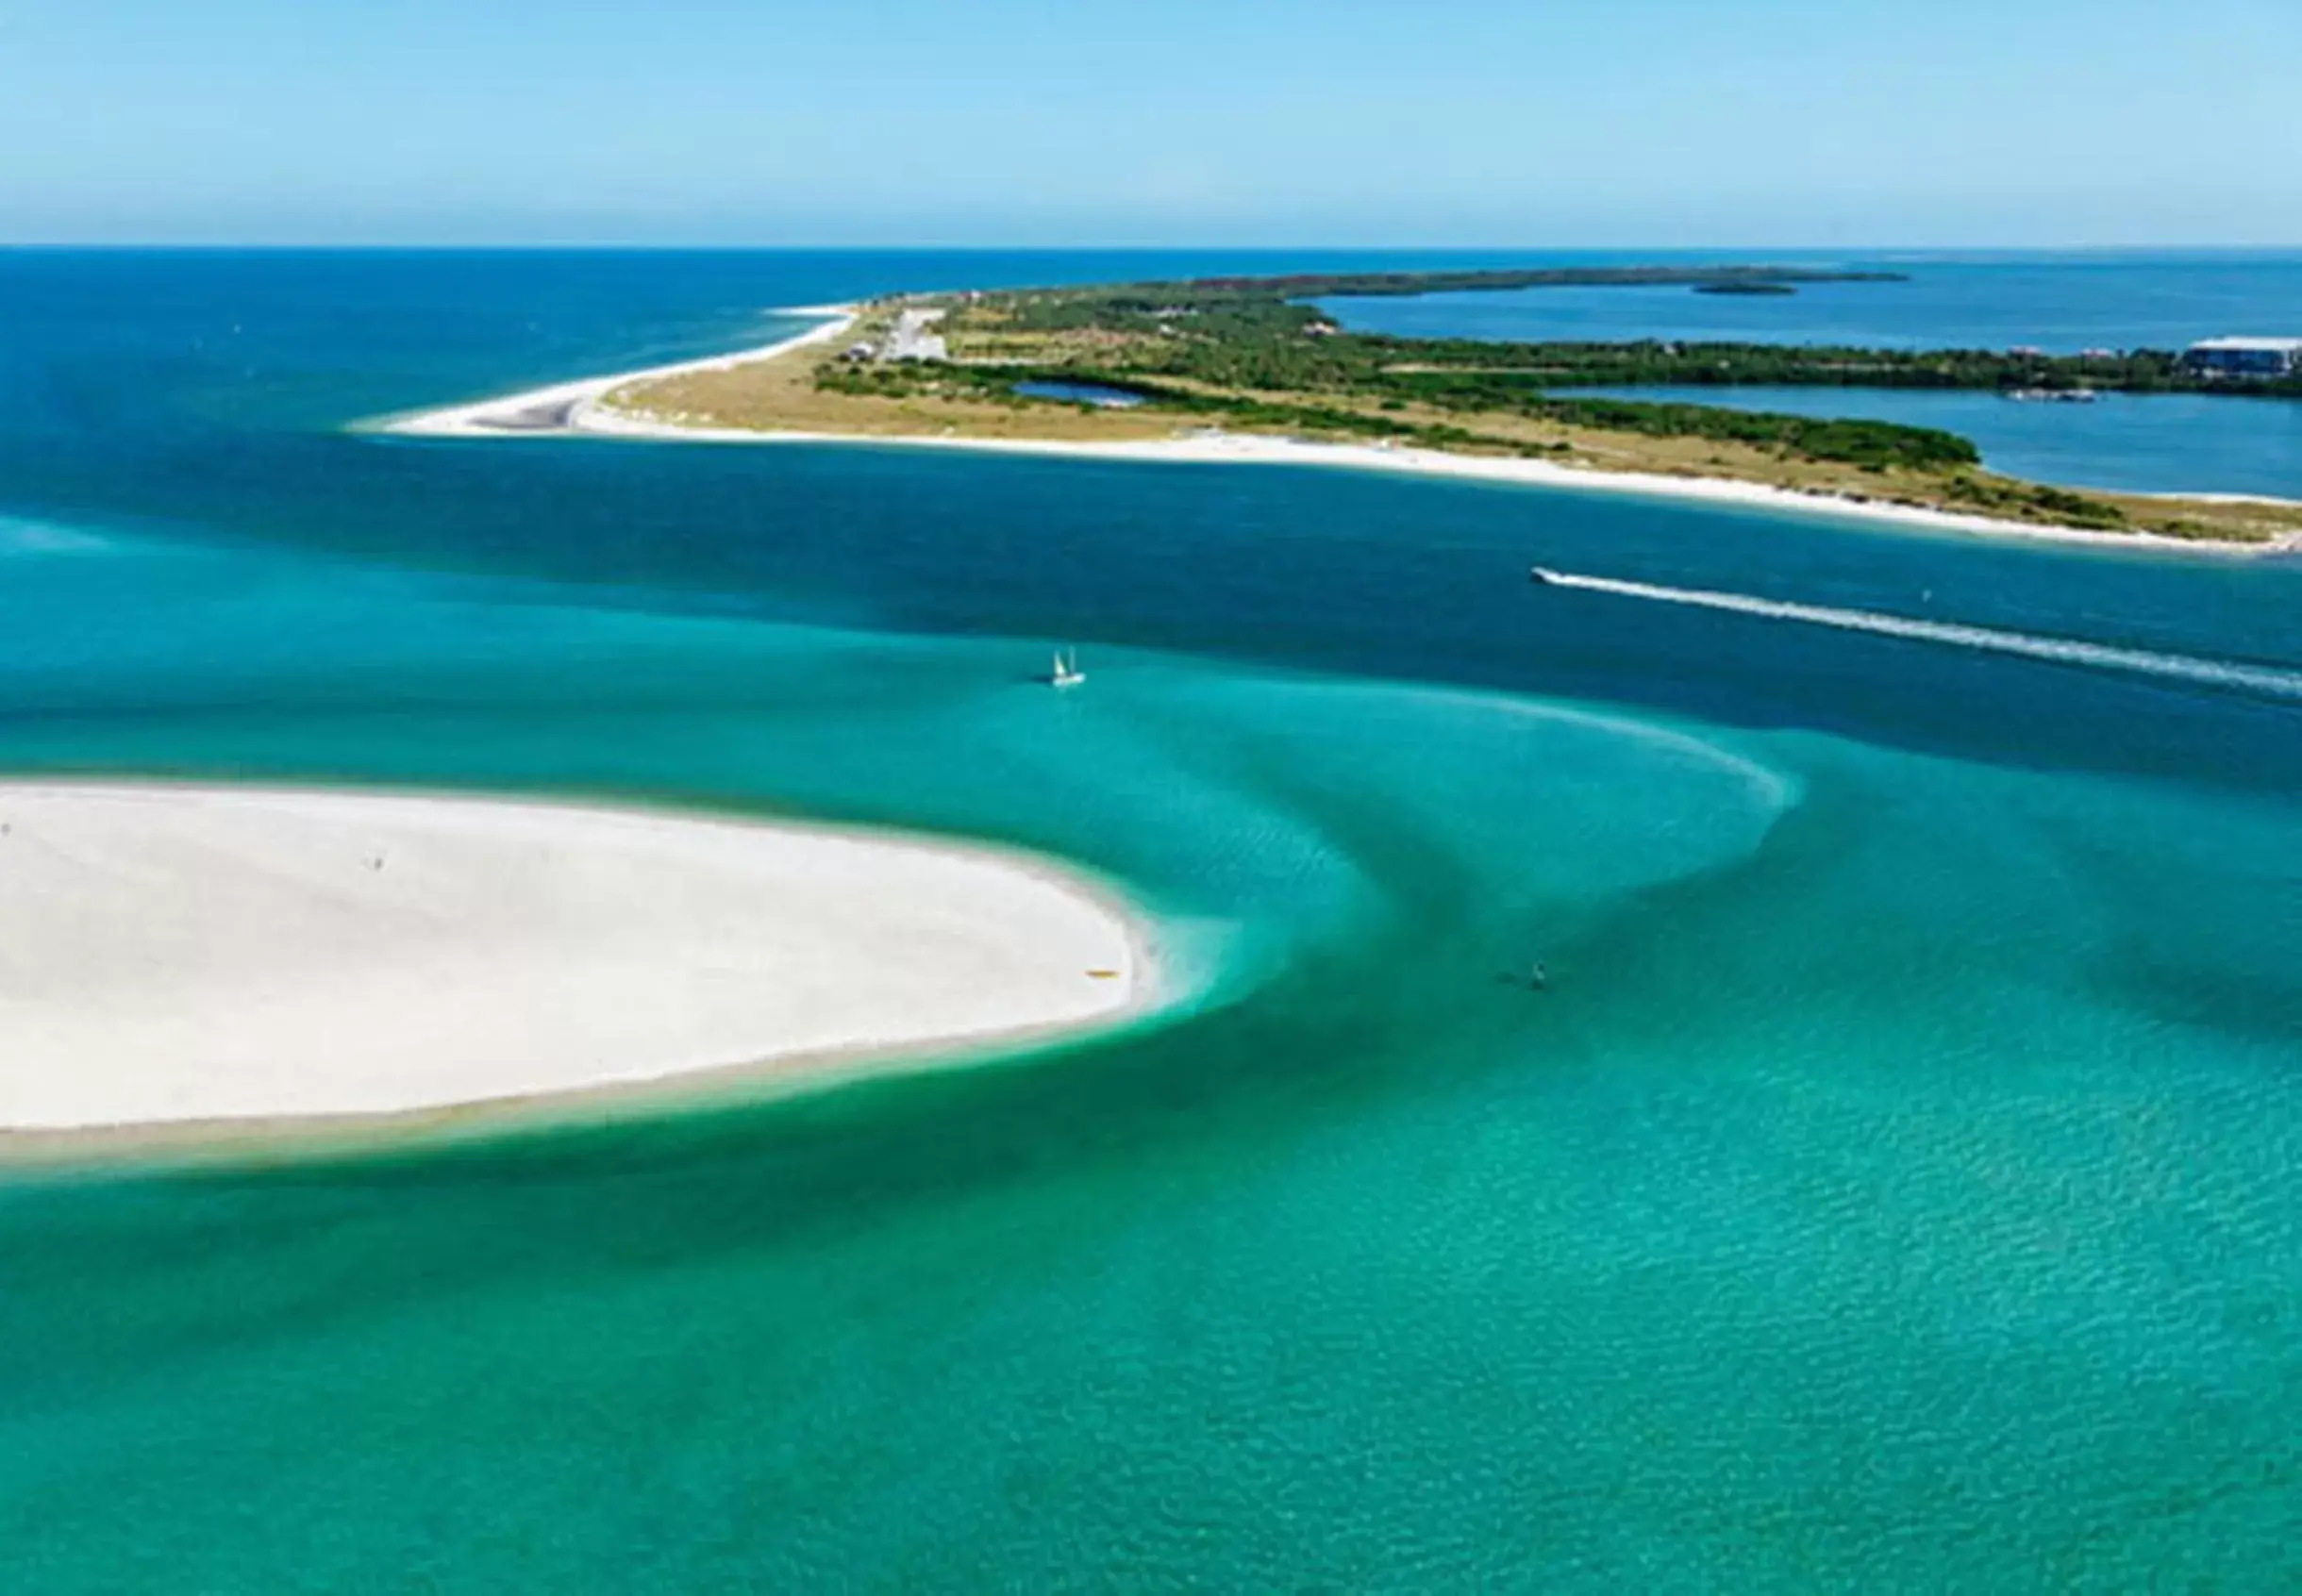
912, 340
2243, 359
908, 340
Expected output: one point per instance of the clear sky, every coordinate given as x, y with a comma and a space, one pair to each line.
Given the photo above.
1558, 123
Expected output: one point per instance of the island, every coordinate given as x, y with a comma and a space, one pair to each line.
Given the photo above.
1256, 368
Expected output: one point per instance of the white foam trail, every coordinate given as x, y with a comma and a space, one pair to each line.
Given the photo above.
2263, 679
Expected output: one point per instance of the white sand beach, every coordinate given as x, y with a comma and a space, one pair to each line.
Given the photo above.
567, 407
175, 955
581, 408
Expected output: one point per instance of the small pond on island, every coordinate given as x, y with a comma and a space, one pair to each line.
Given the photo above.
1080, 393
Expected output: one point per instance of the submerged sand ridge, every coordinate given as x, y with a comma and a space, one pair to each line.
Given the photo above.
180, 955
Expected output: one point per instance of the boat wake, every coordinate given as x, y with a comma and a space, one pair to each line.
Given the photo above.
2267, 681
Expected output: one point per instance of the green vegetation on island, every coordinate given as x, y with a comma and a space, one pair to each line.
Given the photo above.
1224, 332
1869, 443
1657, 362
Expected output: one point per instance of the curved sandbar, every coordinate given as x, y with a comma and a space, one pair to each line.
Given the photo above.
175, 955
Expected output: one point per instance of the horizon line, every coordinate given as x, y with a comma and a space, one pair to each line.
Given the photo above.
596, 247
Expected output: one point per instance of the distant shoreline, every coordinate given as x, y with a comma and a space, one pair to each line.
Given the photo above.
581, 408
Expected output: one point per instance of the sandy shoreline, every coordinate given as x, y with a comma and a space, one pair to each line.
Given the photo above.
568, 407
579, 408
185, 957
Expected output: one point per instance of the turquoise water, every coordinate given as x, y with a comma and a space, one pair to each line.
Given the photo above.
1895, 1185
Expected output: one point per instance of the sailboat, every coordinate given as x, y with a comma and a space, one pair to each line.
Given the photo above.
1066, 672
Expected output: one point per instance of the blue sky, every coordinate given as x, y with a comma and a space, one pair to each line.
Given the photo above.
1560, 122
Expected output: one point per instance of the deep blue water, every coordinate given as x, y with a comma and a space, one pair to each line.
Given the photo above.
1896, 1186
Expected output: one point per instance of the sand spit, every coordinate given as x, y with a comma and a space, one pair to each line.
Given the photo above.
172, 955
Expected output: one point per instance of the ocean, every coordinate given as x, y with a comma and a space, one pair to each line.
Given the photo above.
1894, 1187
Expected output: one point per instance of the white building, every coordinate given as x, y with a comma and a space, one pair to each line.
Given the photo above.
2245, 357
912, 340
